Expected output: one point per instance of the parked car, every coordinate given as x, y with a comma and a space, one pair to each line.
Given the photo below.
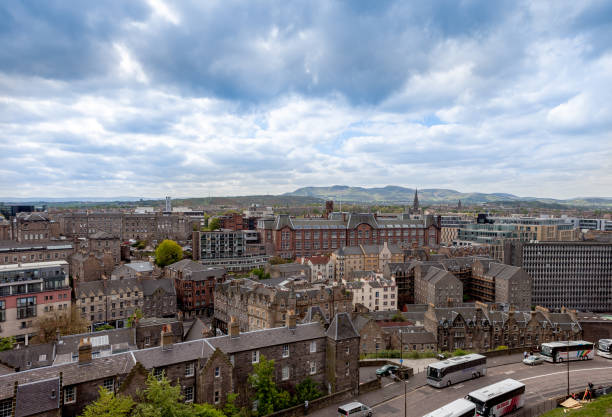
387, 370
533, 360
354, 410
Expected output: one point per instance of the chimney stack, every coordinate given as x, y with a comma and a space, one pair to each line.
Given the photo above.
84, 351
167, 338
234, 328
291, 320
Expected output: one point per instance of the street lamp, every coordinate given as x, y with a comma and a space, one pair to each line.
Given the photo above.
402, 365
568, 359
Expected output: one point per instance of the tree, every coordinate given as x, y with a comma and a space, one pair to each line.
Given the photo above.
134, 317
109, 405
207, 410
162, 399
104, 327
168, 252
398, 317
307, 390
260, 273
49, 324
7, 343
268, 397
231, 409
214, 224
276, 260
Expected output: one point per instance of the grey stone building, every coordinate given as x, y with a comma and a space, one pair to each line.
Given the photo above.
438, 287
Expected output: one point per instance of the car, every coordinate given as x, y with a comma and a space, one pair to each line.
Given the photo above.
533, 360
387, 370
354, 410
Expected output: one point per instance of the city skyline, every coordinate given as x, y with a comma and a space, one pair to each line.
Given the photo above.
152, 98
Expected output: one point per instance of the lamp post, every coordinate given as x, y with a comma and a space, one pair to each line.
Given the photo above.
568, 359
402, 366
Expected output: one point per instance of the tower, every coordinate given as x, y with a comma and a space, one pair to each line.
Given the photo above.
168, 204
415, 204
459, 205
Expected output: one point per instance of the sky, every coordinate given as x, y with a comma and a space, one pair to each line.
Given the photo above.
197, 98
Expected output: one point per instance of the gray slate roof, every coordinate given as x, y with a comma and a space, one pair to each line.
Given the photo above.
35, 355
342, 328
179, 352
37, 397
149, 286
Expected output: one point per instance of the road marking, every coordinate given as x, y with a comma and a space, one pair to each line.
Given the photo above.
564, 372
509, 372
458, 386
398, 396
390, 383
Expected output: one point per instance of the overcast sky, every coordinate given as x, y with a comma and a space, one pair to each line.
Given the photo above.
154, 98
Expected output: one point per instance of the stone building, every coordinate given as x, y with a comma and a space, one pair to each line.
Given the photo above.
207, 370
159, 298
265, 304
101, 242
292, 237
437, 286
34, 227
195, 285
373, 292
12, 252
365, 258
89, 267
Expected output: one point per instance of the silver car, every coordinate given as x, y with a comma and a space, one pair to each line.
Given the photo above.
354, 410
533, 360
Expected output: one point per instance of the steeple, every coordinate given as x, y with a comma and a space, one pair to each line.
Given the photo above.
459, 205
415, 205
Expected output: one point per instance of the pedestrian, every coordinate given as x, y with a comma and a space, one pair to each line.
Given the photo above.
525, 354
306, 407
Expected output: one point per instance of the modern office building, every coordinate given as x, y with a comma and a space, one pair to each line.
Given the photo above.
575, 275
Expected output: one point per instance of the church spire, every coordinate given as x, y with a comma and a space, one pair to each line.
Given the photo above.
415, 205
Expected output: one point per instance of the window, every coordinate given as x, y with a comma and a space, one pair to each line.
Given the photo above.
217, 397
285, 351
285, 373
69, 395
348, 350
313, 368
313, 347
255, 357
188, 392
232, 360
147, 340
348, 368
158, 373
109, 384
217, 372
189, 369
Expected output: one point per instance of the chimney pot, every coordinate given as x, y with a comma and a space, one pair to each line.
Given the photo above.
291, 319
167, 338
84, 351
234, 328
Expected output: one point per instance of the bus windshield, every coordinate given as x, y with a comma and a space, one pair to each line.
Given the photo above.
479, 404
546, 351
434, 373
604, 346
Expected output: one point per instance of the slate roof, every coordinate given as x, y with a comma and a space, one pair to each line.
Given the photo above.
195, 271
37, 397
140, 266
342, 328
35, 355
179, 352
100, 234
149, 286
85, 289
418, 337
435, 275
262, 338
73, 373
502, 271
196, 331
312, 312
102, 340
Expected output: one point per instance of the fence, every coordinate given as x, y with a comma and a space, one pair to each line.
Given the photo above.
299, 410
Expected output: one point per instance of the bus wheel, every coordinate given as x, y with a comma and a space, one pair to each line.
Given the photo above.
448, 384
560, 360
477, 374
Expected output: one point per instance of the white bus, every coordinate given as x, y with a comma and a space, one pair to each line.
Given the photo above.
458, 408
457, 369
579, 350
604, 348
498, 399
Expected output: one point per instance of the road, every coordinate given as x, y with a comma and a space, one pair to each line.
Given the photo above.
542, 382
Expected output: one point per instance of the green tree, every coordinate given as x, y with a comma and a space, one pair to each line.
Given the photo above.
398, 317
104, 327
307, 390
207, 410
134, 317
269, 398
109, 405
168, 252
231, 409
214, 224
7, 343
260, 273
162, 399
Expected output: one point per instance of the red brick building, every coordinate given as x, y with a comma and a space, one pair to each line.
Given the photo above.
291, 237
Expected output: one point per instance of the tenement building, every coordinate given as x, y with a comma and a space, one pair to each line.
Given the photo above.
207, 370
195, 285
481, 328
292, 237
373, 292
261, 305
12, 252
29, 291
365, 258
575, 275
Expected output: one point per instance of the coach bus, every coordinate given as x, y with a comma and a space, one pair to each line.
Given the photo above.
457, 369
458, 408
579, 350
604, 348
498, 399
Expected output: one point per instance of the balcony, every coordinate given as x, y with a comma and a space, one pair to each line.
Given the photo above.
25, 312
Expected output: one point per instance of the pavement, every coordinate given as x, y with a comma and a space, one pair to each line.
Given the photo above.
543, 381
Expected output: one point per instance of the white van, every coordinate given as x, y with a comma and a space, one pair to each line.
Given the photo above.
354, 410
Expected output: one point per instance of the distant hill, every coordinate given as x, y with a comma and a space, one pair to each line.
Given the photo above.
397, 194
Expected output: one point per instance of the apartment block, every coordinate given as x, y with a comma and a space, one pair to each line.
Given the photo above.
12, 252
29, 291
373, 292
364, 258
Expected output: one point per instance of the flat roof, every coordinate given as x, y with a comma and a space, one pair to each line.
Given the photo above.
456, 360
32, 265
454, 408
484, 394
564, 344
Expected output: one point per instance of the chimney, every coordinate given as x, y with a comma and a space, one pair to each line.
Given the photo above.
482, 306
234, 328
291, 319
167, 338
84, 351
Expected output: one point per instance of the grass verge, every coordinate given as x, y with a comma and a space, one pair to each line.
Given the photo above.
601, 407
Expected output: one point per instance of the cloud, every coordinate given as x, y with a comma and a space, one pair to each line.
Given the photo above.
188, 98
